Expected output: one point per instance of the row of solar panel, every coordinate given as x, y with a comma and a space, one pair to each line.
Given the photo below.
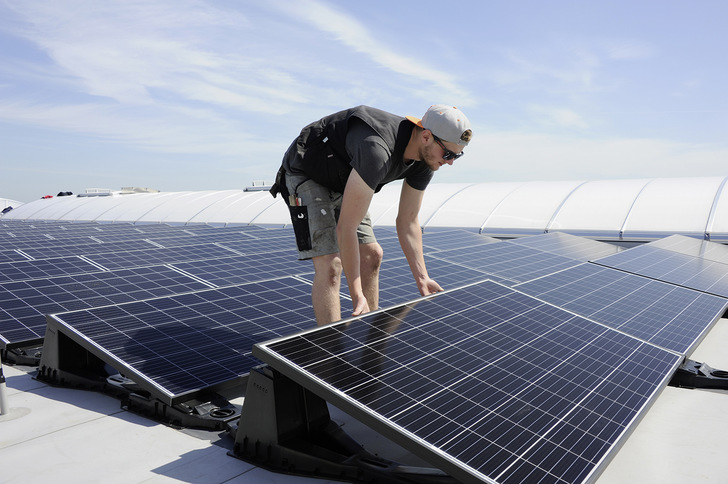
648, 309
567, 383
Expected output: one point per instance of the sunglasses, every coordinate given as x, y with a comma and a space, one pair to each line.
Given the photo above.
447, 154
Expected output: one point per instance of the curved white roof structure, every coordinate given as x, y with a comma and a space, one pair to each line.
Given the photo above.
6, 202
623, 210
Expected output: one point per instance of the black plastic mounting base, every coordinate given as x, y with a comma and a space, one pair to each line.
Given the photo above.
21, 356
286, 428
207, 412
693, 374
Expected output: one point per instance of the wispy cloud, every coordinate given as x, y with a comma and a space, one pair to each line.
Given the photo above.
352, 33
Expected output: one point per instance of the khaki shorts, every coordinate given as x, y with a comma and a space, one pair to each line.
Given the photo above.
315, 216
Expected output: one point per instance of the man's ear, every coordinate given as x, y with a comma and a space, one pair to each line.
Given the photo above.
426, 136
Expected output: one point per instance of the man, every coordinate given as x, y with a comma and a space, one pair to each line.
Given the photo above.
328, 177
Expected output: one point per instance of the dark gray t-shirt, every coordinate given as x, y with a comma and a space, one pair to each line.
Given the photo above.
373, 160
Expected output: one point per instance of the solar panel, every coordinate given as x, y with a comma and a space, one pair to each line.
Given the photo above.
675, 267
507, 260
24, 304
450, 239
156, 256
486, 383
38, 269
178, 345
241, 269
695, 247
569, 246
12, 256
666, 315
86, 249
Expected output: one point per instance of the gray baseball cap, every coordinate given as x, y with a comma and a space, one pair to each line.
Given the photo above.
447, 123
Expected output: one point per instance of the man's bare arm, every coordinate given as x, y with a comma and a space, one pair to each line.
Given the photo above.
354, 206
409, 233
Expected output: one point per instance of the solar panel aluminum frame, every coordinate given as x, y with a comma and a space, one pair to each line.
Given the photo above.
59, 360
412, 442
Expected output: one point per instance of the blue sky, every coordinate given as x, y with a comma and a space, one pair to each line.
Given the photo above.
206, 95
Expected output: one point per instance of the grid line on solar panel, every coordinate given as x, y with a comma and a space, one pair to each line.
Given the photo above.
674, 267
189, 342
506, 387
24, 304
666, 315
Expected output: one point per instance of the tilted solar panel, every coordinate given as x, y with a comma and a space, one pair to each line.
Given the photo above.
178, 345
24, 304
666, 315
507, 260
245, 268
569, 246
703, 249
674, 267
484, 382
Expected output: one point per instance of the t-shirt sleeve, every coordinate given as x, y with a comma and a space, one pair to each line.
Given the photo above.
419, 176
369, 155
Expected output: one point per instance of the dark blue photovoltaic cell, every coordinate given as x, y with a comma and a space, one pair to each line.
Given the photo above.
484, 382
666, 315
189, 342
674, 267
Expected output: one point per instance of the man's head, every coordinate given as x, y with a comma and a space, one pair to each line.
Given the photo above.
448, 123
442, 133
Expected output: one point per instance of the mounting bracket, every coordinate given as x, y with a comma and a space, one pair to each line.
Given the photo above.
286, 428
693, 374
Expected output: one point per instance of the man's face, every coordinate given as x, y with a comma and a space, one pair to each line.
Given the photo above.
432, 153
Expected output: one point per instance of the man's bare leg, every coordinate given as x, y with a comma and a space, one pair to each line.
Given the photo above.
326, 285
370, 260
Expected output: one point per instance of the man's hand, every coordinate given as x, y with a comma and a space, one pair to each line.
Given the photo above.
428, 286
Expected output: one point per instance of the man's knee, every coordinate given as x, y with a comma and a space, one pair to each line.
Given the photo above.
371, 256
329, 267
